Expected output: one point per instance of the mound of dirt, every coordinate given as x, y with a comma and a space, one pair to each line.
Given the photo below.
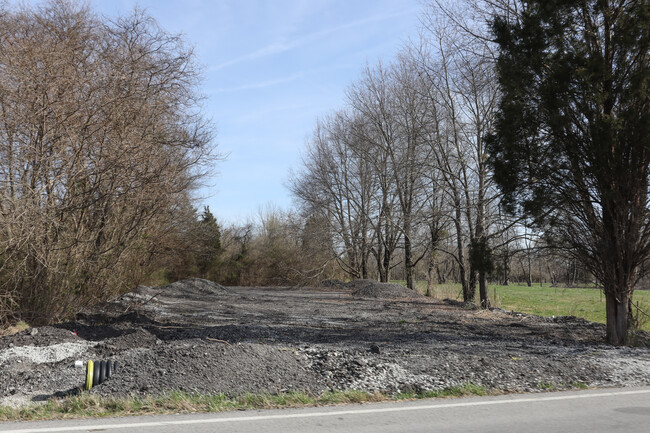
38, 337
196, 336
152, 300
209, 366
333, 283
365, 288
192, 287
374, 289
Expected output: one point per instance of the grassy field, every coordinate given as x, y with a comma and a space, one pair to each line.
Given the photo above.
546, 300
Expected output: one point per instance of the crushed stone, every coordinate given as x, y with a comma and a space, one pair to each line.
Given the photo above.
374, 289
200, 337
42, 355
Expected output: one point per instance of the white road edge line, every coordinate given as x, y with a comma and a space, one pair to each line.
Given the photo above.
324, 414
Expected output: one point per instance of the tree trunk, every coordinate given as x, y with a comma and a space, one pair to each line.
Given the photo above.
442, 277
364, 261
408, 260
574, 273
471, 284
432, 265
468, 296
379, 252
483, 290
380, 265
386, 265
551, 275
386, 241
617, 308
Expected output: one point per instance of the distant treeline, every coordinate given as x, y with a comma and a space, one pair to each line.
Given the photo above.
283, 248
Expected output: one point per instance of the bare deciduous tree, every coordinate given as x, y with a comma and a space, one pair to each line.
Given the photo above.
101, 135
337, 182
460, 65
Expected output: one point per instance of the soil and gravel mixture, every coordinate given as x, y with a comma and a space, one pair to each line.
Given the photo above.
371, 289
195, 335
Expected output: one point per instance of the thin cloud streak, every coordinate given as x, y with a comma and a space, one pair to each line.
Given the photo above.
275, 82
275, 48
259, 85
278, 48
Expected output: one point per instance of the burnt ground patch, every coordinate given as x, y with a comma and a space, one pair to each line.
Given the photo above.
198, 336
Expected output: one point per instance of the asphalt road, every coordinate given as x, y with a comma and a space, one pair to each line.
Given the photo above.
594, 411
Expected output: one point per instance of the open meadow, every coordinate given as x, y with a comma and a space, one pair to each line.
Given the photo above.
547, 301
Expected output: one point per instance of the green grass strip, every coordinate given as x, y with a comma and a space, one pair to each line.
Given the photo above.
544, 300
89, 405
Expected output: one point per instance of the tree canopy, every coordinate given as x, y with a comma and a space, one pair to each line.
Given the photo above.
571, 147
101, 139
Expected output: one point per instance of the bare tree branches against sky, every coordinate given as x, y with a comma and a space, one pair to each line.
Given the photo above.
271, 68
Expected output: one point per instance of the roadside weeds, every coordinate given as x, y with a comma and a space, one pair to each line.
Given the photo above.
92, 406
89, 405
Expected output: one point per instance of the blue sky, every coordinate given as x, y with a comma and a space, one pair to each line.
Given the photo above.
271, 69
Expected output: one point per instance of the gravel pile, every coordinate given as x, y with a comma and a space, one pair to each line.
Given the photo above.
190, 288
400, 371
333, 283
193, 287
197, 336
370, 289
374, 289
43, 354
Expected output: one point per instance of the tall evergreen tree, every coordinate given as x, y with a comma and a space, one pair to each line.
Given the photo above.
209, 239
572, 140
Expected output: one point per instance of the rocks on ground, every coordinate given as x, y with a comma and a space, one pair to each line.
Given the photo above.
197, 336
365, 288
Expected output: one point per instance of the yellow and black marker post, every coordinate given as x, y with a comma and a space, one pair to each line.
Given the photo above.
89, 375
98, 372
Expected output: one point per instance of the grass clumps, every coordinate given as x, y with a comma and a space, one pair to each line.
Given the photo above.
546, 386
14, 329
465, 390
578, 385
88, 405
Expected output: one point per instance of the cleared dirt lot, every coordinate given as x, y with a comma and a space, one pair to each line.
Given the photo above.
198, 336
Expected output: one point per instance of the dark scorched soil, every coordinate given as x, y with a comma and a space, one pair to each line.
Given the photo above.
195, 335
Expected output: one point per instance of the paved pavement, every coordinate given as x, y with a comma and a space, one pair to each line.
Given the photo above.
593, 411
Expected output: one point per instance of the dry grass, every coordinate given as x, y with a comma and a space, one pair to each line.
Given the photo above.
15, 329
88, 405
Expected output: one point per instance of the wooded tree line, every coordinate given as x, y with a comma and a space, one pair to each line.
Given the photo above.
511, 137
102, 140
401, 170
506, 121
280, 247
